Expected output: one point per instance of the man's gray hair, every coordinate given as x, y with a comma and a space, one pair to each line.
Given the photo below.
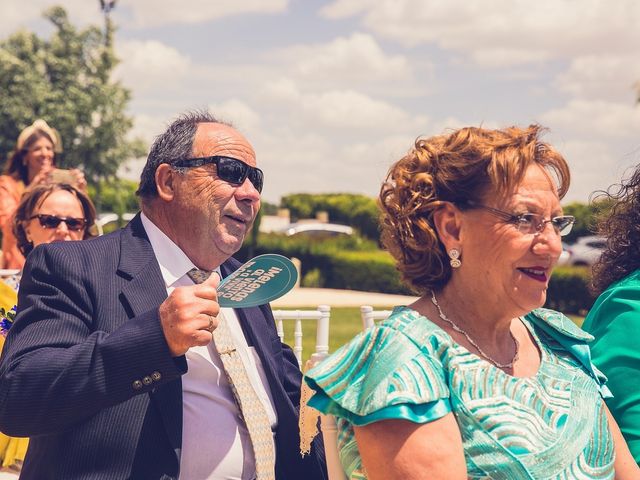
174, 144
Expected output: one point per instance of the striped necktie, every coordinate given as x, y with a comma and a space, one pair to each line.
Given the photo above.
251, 408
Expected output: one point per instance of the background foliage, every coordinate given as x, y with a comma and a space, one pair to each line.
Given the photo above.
586, 217
358, 211
568, 290
116, 195
66, 80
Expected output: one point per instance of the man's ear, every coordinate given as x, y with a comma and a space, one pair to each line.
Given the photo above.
165, 181
447, 221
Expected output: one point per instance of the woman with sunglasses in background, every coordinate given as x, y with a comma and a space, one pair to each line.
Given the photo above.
47, 213
31, 163
474, 379
53, 213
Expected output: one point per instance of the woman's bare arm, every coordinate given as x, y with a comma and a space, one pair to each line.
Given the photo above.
403, 450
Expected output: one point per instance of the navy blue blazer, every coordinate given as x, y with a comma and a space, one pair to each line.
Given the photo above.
87, 374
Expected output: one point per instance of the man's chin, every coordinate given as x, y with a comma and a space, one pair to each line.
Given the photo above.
229, 245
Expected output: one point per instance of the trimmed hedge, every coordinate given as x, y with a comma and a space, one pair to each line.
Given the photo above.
569, 290
355, 264
349, 263
369, 271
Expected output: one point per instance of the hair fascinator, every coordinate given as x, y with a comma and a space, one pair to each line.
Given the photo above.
40, 125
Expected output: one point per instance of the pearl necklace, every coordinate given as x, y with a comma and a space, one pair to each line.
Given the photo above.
470, 340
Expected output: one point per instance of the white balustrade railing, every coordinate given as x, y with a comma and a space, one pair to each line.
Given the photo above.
321, 316
369, 316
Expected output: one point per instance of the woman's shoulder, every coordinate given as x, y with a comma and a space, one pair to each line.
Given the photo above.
619, 301
393, 363
11, 184
404, 330
558, 324
628, 286
570, 338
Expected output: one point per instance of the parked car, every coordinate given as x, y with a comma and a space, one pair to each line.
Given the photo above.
317, 229
565, 256
587, 250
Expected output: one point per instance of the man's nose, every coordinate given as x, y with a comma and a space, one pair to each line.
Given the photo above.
247, 191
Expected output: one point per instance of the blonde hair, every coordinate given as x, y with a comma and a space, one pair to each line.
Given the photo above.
462, 168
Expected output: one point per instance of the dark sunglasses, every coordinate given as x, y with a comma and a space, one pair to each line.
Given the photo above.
52, 221
228, 169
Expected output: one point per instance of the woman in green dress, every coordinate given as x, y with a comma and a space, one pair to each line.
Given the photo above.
474, 379
614, 319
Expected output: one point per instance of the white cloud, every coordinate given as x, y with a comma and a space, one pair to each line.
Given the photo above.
344, 109
356, 61
153, 13
351, 109
358, 56
147, 127
15, 17
18, 14
150, 64
595, 119
238, 113
340, 9
297, 160
593, 167
503, 31
608, 77
139, 13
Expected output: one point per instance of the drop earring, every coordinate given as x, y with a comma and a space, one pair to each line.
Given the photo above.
454, 255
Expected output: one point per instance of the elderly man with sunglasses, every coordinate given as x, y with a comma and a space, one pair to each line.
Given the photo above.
110, 366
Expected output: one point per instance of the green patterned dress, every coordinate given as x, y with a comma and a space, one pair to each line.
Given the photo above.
551, 425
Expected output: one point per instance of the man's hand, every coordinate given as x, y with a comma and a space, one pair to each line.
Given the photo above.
189, 315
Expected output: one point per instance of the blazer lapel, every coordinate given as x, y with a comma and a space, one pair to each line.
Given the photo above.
139, 266
145, 288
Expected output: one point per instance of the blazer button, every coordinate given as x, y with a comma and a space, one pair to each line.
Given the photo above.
137, 385
147, 380
155, 376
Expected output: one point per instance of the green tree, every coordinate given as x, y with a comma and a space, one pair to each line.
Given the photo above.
66, 80
118, 195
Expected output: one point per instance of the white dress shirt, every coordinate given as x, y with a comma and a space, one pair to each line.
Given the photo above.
215, 440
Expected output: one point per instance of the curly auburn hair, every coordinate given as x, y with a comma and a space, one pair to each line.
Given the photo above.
462, 168
621, 226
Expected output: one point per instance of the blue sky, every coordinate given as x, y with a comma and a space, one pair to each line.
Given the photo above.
332, 92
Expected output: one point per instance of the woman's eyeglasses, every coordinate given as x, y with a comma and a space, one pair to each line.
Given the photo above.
52, 221
531, 222
228, 169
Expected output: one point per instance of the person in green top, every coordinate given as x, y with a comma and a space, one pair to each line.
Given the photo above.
614, 319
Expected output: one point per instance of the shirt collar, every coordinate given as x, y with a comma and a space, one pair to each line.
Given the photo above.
173, 262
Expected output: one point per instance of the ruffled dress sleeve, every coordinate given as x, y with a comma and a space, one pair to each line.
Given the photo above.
575, 340
392, 371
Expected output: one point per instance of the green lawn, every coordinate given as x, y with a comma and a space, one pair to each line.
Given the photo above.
345, 323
